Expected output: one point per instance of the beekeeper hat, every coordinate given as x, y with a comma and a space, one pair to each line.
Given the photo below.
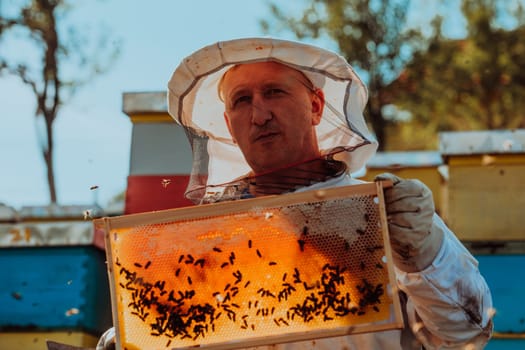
194, 102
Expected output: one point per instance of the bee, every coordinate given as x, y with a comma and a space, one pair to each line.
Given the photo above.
199, 262
305, 230
301, 244
72, 311
87, 214
165, 182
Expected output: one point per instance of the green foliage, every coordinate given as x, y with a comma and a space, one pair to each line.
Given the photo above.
474, 83
477, 82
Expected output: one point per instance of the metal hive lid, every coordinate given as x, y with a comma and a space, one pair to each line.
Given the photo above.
481, 142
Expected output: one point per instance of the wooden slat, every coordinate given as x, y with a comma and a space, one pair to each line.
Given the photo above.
224, 208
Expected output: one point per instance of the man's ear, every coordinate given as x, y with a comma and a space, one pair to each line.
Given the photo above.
227, 121
317, 106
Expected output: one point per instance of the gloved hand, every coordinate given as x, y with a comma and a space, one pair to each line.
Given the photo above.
414, 236
107, 340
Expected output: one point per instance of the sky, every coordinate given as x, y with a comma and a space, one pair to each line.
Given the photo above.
92, 134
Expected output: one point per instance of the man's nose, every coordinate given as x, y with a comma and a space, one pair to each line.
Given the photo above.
261, 113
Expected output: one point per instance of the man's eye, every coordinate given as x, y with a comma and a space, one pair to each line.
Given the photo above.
241, 99
273, 92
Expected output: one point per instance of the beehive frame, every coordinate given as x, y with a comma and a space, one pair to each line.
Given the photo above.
253, 272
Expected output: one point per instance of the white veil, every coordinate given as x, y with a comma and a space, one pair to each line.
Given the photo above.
193, 101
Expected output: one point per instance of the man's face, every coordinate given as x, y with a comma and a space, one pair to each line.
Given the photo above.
271, 112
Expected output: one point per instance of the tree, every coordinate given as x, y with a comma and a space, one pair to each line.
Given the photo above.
474, 83
38, 21
372, 35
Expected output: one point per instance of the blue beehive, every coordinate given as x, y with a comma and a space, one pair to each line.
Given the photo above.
54, 282
54, 288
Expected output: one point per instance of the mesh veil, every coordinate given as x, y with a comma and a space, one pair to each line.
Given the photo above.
194, 103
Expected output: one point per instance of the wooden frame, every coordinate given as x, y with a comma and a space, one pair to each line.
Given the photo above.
253, 272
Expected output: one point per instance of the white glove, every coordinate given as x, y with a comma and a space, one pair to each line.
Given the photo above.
414, 236
107, 340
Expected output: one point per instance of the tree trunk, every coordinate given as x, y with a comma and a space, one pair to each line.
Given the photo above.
48, 158
375, 116
379, 126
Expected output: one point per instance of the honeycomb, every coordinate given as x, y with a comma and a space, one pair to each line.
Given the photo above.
253, 274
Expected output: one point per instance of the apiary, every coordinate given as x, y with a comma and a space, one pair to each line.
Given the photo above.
253, 272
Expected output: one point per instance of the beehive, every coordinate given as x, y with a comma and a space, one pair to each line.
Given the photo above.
252, 272
486, 180
159, 182
53, 286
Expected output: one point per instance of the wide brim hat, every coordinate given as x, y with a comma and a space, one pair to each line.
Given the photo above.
194, 103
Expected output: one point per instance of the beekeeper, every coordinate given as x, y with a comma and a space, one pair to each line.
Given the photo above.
267, 116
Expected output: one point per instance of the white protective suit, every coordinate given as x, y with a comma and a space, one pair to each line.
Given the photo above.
446, 302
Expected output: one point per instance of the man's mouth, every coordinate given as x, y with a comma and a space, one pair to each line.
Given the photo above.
264, 136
